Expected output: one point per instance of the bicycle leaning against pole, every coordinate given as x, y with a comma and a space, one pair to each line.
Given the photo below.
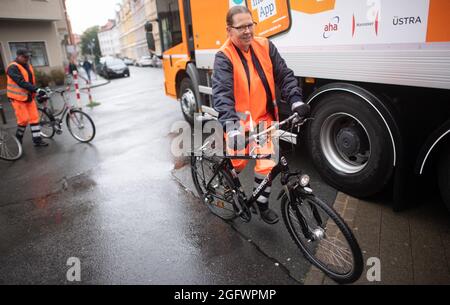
321, 234
10, 147
80, 124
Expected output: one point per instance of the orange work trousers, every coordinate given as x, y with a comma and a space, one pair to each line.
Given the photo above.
26, 113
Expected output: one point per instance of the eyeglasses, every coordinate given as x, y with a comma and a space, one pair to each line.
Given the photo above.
242, 28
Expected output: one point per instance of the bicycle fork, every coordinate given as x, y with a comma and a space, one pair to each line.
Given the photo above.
296, 195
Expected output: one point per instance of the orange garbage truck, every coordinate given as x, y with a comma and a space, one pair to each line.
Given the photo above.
375, 72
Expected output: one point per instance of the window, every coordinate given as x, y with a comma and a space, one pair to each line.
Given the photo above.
39, 56
169, 15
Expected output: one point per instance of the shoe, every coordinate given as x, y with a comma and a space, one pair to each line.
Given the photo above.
40, 143
269, 216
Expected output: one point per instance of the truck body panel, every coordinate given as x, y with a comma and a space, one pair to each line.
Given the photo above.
402, 42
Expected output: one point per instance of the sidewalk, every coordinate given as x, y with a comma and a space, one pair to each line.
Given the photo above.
413, 246
96, 80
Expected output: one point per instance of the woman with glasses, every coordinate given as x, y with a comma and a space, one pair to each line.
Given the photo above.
246, 71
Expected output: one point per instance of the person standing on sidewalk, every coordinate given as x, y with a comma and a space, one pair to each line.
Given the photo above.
21, 92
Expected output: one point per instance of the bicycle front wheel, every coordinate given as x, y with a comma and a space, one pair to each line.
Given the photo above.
47, 126
323, 237
214, 186
10, 147
80, 125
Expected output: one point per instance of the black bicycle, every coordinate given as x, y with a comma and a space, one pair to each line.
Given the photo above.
320, 233
80, 124
10, 147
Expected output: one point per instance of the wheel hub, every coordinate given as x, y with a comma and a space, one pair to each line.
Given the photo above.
188, 102
345, 143
348, 141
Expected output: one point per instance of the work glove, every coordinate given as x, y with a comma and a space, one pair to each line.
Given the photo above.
41, 95
301, 108
235, 140
41, 92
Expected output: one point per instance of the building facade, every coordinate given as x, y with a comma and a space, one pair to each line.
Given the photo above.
109, 39
131, 21
40, 26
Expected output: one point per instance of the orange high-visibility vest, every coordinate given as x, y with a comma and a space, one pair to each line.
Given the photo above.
13, 90
260, 47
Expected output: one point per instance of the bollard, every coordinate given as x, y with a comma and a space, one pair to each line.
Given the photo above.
91, 100
77, 88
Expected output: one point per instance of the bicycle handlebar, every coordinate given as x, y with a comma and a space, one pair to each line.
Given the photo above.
295, 118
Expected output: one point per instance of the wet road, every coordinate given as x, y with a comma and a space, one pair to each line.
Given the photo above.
120, 206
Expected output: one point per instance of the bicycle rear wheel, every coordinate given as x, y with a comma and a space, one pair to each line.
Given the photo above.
215, 187
331, 246
80, 125
10, 147
47, 126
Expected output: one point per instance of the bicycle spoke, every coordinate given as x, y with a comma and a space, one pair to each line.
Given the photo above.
332, 249
338, 253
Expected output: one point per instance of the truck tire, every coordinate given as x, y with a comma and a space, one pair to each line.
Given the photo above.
443, 171
188, 100
349, 145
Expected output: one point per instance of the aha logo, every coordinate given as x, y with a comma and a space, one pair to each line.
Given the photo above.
331, 27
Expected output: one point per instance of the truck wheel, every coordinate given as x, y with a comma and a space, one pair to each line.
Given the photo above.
443, 169
349, 145
188, 100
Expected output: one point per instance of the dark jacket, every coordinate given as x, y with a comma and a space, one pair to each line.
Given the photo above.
222, 84
87, 65
17, 77
72, 67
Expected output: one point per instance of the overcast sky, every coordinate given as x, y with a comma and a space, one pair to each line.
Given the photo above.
86, 13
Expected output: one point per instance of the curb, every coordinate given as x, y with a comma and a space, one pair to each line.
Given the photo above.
98, 85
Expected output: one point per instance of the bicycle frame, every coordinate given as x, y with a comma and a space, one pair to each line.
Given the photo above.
58, 118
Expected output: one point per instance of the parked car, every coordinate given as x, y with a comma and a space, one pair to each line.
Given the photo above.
128, 61
112, 67
145, 61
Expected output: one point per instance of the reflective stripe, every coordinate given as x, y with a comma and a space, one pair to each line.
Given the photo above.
262, 199
15, 86
17, 93
259, 176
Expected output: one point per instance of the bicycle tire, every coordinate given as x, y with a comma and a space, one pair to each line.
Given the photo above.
221, 204
81, 119
315, 250
10, 147
47, 124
